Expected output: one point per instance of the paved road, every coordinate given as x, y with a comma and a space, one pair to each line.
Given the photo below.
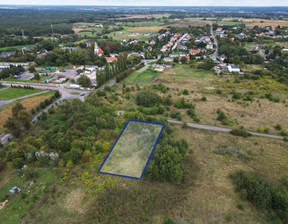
214, 128
215, 55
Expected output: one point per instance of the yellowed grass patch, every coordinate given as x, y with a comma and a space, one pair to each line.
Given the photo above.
144, 29
29, 104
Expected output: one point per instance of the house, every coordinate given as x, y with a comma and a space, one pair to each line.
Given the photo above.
168, 59
209, 46
110, 59
173, 55
7, 54
68, 48
233, 68
182, 47
224, 68
87, 42
194, 51
97, 50
222, 57
152, 42
254, 49
149, 48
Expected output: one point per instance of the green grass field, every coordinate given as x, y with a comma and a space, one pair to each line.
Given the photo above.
12, 93
186, 71
146, 76
14, 47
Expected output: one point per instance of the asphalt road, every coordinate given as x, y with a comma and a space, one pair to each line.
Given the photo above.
215, 55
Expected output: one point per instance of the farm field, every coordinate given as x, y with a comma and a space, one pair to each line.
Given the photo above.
260, 22
28, 103
12, 93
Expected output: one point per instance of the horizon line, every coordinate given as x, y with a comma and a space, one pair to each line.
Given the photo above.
148, 5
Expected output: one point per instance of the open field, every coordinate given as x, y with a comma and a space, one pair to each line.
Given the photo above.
28, 103
260, 22
12, 93
142, 16
146, 76
150, 29
187, 23
255, 115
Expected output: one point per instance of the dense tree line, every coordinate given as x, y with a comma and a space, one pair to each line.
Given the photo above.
13, 70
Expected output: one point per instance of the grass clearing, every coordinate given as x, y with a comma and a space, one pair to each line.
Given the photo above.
12, 93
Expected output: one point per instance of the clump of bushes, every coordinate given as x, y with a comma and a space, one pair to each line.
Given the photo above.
147, 98
239, 132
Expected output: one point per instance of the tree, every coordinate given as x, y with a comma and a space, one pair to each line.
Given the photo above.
207, 64
32, 69
84, 81
183, 60
36, 76
20, 119
147, 97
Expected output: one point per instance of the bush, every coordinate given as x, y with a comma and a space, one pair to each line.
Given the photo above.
278, 127
239, 132
203, 98
147, 98
18, 163
183, 104
169, 221
30, 173
185, 92
221, 116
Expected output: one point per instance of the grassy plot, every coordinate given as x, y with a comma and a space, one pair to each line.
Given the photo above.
12, 93
183, 74
19, 203
146, 76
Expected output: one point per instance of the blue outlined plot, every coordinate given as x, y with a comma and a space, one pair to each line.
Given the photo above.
132, 150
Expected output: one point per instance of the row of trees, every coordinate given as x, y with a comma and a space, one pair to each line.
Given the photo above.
111, 70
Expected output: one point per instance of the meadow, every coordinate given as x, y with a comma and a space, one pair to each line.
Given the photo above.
12, 93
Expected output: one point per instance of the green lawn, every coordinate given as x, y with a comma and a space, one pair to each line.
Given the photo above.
18, 206
75, 93
12, 93
14, 47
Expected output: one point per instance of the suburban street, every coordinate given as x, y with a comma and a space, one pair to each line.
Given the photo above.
215, 55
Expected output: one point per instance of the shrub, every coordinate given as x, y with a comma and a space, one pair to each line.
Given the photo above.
18, 163
278, 127
203, 98
107, 88
266, 130
183, 104
30, 173
185, 92
33, 111
228, 218
239, 132
221, 116
169, 221
147, 98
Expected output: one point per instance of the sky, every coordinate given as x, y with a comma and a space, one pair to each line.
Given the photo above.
151, 2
